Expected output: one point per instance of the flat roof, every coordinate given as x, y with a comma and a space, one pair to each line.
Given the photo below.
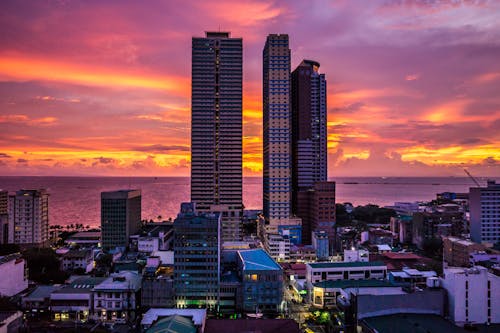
41, 292
343, 284
258, 260
401, 255
252, 325
340, 264
412, 323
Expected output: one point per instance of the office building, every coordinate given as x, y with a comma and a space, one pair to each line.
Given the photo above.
472, 295
277, 167
309, 130
196, 258
262, 281
120, 217
216, 129
320, 243
484, 205
29, 218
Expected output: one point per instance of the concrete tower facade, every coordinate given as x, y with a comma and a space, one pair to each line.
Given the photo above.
277, 132
216, 128
120, 217
29, 218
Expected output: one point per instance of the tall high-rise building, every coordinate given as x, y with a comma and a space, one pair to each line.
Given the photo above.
216, 128
120, 217
4, 217
29, 218
484, 205
277, 132
309, 123
310, 190
196, 258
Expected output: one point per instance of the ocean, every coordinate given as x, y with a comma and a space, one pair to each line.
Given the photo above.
77, 199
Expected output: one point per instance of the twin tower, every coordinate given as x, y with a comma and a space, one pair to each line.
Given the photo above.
294, 130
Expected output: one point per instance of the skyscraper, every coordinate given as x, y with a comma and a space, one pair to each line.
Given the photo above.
277, 131
196, 258
313, 198
29, 218
484, 203
216, 128
309, 120
120, 217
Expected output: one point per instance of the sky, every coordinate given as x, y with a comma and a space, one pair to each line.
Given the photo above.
103, 87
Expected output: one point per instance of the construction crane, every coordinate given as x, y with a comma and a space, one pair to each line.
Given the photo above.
471, 177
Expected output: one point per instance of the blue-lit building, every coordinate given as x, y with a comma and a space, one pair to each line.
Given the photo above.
294, 233
320, 243
262, 280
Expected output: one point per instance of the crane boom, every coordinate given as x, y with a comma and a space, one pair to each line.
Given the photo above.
471, 177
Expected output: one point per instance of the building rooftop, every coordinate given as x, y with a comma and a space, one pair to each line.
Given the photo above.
173, 324
81, 285
343, 284
41, 292
198, 315
125, 280
10, 257
86, 235
412, 323
252, 325
257, 260
340, 264
401, 256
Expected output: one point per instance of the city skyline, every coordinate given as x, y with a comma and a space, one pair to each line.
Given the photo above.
412, 87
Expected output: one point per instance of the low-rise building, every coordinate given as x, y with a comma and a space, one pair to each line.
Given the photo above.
302, 253
457, 251
358, 255
473, 295
317, 272
74, 301
81, 259
154, 315
11, 321
38, 299
262, 281
321, 244
85, 238
278, 247
14, 274
411, 277
148, 244
116, 299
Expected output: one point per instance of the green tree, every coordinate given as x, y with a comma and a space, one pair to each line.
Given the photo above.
43, 266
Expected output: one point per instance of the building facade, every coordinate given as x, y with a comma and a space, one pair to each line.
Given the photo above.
309, 120
484, 205
29, 218
120, 217
262, 281
196, 258
277, 166
472, 295
14, 274
216, 128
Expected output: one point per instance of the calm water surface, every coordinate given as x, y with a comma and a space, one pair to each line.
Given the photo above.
77, 199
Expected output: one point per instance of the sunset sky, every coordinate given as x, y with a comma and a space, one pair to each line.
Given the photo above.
103, 87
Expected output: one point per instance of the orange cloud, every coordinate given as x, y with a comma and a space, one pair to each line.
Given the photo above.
21, 69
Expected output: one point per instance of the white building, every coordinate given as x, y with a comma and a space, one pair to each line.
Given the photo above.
356, 255
77, 259
115, 299
148, 244
14, 275
473, 295
29, 217
278, 247
484, 203
317, 272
